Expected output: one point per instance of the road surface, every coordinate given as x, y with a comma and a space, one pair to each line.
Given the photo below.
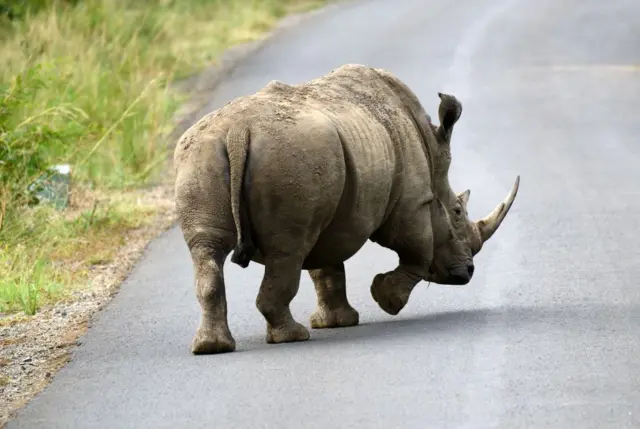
547, 335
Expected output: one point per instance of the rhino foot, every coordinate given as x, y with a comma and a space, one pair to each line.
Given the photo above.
208, 342
389, 292
341, 317
287, 333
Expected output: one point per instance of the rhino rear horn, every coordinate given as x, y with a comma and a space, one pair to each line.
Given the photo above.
489, 225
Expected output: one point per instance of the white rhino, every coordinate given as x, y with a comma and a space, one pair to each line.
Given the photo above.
299, 177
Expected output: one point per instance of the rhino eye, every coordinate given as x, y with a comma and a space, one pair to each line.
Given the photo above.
457, 211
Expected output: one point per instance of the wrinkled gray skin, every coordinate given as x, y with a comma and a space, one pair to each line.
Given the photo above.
300, 177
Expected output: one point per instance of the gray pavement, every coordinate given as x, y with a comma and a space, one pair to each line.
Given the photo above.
547, 334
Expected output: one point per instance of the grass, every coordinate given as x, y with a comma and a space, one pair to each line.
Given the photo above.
87, 83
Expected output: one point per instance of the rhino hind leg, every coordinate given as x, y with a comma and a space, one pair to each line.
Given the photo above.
279, 286
213, 335
333, 309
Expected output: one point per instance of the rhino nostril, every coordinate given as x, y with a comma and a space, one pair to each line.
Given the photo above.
470, 269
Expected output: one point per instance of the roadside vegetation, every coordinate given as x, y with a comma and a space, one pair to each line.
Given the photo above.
85, 84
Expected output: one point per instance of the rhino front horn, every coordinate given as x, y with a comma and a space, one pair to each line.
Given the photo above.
489, 225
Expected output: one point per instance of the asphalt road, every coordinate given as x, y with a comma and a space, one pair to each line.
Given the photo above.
547, 334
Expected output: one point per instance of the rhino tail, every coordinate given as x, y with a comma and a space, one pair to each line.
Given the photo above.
238, 151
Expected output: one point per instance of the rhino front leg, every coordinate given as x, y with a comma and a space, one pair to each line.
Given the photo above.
333, 309
412, 241
213, 335
391, 290
279, 286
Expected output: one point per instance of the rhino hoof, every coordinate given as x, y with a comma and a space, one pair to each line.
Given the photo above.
388, 298
207, 343
324, 318
287, 334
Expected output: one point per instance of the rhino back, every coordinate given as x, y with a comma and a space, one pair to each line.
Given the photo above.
329, 160
379, 143
398, 115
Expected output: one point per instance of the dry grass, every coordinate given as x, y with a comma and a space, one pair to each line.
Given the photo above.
57, 250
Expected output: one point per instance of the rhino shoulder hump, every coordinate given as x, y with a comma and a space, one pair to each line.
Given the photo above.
276, 85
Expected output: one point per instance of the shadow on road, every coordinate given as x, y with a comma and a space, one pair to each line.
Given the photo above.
515, 321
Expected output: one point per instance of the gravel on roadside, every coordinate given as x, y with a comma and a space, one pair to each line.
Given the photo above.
34, 348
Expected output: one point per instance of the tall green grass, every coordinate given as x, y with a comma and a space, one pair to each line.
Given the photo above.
85, 82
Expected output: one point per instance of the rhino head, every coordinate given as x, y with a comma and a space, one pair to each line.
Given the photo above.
457, 239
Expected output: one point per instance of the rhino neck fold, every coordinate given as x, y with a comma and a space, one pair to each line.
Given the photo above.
442, 189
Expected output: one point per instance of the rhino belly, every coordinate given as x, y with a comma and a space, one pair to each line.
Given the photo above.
333, 248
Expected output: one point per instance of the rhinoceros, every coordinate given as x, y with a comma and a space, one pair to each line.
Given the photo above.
300, 177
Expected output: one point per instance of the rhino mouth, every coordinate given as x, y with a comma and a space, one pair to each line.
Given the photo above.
452, 276
460, 276
458, 280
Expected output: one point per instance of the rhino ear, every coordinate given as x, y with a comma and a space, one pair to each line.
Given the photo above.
463, 197
449, 112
